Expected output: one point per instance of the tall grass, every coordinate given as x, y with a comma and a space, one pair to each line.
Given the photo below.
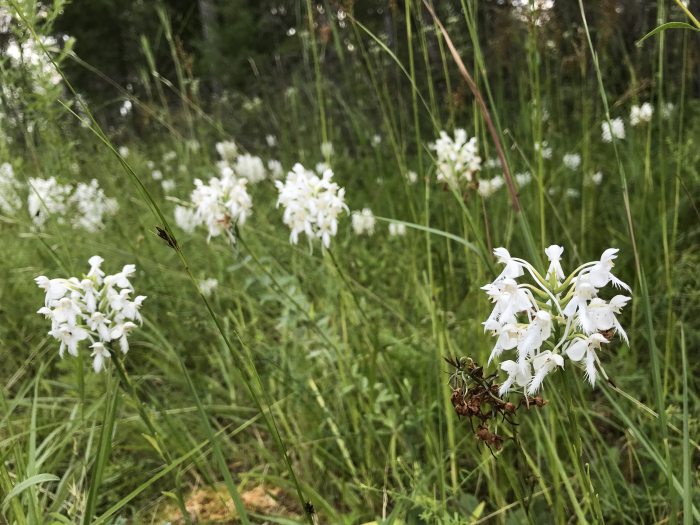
321, 373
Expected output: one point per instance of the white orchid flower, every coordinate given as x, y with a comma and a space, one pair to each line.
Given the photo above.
585, 349
543, 363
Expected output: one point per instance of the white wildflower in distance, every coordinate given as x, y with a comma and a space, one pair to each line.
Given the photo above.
397, 229
47, 197
96, 308
91, 206
457, 158
168, 185
169, 156
275, 168
157, 175
363, 222
488, 187
552, 316
250, 167
30, 57
493, 163
641, 114
271, 140
10, 201
615, 128
376, 140
545, 148
595, 178
411, 177
208, 286
523, 179
227, 150
572, 161
311, 204
123, 151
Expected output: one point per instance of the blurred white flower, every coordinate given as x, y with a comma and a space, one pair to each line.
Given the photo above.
47, 197
363, 222
123, 151
572, 161
523, 179
169, 156
227, 150
275, 168
641, 114
456, 159
208, 286
492, 163
312, 204
397, 229
157, 175
91, 206
615, 128
30, 57
97, 308
545, 148
376, 140
411, 177
168, 185
488, 187
271, 140
596, 178
250, 168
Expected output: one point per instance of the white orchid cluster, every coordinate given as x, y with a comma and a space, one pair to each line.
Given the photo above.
312, 204
219, 204
91, 205
97, 308
458, 158
84, 206
31, 58
556, 316
639, 114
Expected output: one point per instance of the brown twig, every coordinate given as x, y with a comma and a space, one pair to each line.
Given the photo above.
482, 106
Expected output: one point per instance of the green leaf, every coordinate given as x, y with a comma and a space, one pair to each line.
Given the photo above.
20, 487
664, 27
